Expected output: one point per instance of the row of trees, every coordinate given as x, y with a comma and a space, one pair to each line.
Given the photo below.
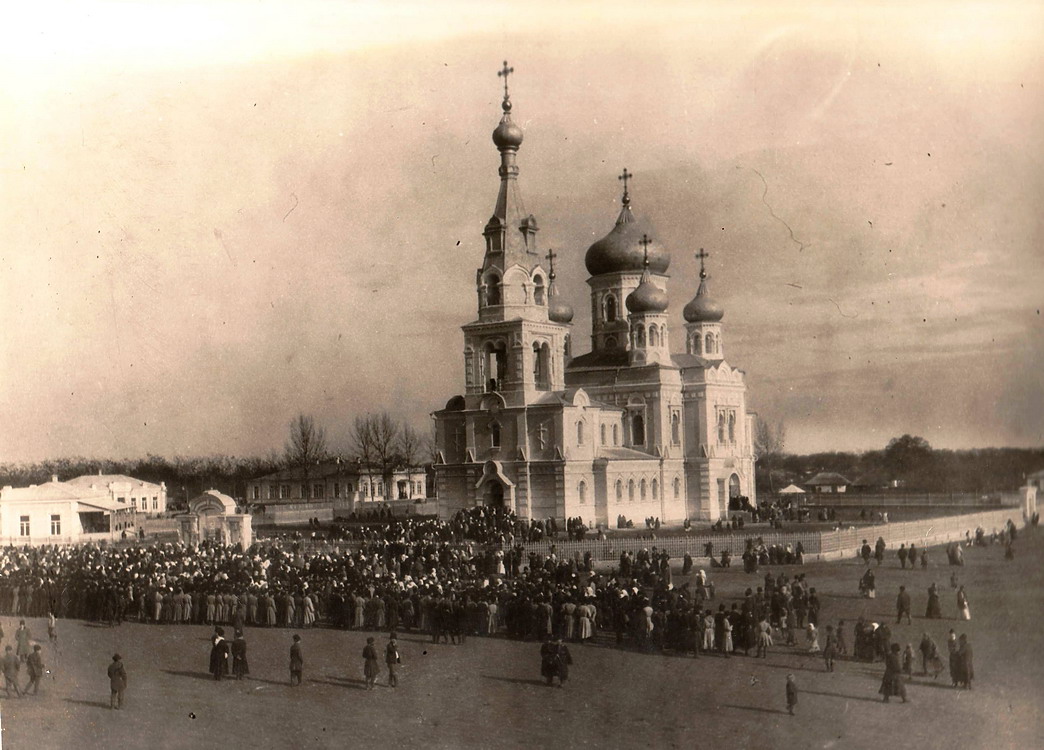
908, 463
377, 441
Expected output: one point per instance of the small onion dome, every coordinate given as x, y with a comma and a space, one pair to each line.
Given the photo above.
559, 312
703, 309
507, 133
621, 249
647, 298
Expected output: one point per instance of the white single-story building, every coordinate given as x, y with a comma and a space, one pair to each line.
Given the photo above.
59, 513
144, 497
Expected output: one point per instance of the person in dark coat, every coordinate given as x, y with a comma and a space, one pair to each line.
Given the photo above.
966, 669
218, 654
117, 682
36, 670
371, 667
792, 694
892, 683
240, 667
393, 660
11, 665
296, 662
554, 661
902, 605
934, 608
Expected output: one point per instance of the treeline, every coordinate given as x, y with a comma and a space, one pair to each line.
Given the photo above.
908, 464
185, 477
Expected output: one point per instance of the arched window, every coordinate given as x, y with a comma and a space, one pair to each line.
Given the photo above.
380, 489
580, 432
677, 487
616, 434
638, 429
644, 487
351, 488
732, 427
538, 290
619, 489
494, 435
675, 428
601, 429
663, 335
493, 289
581, 490
494, 366
655, 489
610, 308
639, 336
694, 342
610, 342
709, 344
721, 427
654, 336
630, 490
541, 365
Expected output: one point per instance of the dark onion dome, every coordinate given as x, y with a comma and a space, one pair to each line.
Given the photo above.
507, 133
647, 298
620, 250
703, 309
456, 403
559, 312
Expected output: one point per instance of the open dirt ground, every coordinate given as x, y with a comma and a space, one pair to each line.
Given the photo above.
487, 692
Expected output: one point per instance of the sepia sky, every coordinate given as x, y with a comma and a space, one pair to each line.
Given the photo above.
220, 214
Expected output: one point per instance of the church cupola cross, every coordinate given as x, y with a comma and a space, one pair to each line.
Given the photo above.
551, 255
624, 178
504, 73
645, 242
702, 255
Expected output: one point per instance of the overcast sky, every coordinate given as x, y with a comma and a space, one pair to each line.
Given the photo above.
219, 215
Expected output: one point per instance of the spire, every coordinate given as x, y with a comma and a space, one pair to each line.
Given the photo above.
625, 177
510, 230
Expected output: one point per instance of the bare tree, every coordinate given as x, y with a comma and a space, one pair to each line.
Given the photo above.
375, 439
409, 445
306, 444
769, 440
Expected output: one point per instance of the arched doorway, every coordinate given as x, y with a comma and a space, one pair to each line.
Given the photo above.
734, 487
495, 494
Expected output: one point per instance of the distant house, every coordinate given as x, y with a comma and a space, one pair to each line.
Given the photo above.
1036, 479
346, 481
59, 513
128, 492
827, 482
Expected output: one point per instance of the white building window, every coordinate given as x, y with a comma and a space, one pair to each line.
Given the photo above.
318, 491
643, 489
23, 525
677, 488
56, 525
155, 500
257, 492
655, 489
619, 490
580, 433
582, 492
337, 489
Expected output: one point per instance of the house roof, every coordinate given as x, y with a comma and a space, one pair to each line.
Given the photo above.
792, 490
52, 491
102, 481
827, 477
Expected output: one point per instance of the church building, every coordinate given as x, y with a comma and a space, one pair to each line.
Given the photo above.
631, 428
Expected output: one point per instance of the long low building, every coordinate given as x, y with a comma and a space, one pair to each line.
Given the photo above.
348, 485
60, 513
137, 494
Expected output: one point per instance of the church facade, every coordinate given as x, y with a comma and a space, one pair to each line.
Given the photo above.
630, 428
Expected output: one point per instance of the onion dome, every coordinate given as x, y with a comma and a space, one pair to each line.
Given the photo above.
621, 249
507, 135
703, 308
557, 311
647, 298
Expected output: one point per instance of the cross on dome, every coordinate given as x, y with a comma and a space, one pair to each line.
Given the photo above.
504, 73
625, 177
702, 255
645, 242
551, 255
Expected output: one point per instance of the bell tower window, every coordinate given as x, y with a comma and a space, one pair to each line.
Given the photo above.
675, 428
638, 429
493, 290
494, 435
538, 291
495, 366
541, 366
610, 308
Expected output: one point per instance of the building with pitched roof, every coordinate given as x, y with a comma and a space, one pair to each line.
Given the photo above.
60, 513
630, 428
144, 497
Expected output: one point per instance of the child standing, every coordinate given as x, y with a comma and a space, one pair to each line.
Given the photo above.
792, 694
52, 627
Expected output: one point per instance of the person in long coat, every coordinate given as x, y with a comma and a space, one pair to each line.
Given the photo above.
934, 608
296, 662
955, 665
892, 683
962, 604
554, 661
23, 641
371, 666
964, 657
240, 667
218, 654
830, 649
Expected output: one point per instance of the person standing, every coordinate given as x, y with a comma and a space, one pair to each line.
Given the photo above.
962, 604
912, 554
902, 606
964, 656
812, 638
792, 694
218, 654
830, 649
892, 682
23, 641
36, 670
371, 667
764, 637
934, 609
902, 554
393, 660
117, 682
10, 666
240, 667
555, 660
296, 661
955, 666
52, 627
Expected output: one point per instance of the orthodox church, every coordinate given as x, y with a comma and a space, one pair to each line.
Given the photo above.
628, 429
